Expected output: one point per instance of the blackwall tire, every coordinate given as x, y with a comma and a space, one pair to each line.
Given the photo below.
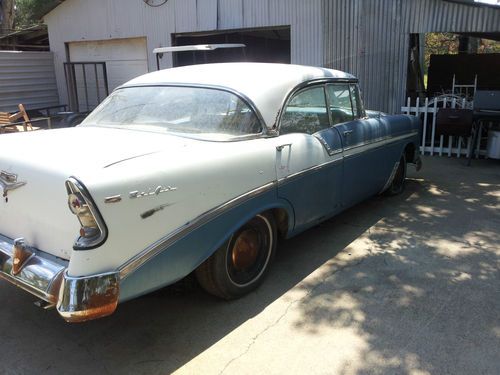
241, 264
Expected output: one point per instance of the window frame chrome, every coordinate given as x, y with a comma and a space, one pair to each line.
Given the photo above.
265, 132
298, 92
322, 81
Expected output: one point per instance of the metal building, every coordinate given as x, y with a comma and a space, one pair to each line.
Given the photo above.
369, 38
28, 78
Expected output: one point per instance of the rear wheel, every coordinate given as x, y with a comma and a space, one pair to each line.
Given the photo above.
240, 265
397, 185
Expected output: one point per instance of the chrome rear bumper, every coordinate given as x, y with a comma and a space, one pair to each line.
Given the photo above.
77, 298
38, 275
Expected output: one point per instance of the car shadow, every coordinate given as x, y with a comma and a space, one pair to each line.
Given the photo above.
161, 332
429, 302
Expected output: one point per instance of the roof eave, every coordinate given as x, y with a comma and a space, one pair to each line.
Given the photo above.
51, 8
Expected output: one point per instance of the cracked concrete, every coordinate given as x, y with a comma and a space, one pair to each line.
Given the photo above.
309, 291
402, 285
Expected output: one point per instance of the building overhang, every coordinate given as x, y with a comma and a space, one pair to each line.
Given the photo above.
476, 3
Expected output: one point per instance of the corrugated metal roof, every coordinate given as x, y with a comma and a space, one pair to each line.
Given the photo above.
369, 38
79, 20
51, 6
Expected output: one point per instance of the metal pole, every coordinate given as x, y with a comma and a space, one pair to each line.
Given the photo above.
97, 85
86, 90
105, 73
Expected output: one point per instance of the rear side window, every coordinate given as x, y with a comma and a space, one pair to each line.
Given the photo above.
306, 112
341, 106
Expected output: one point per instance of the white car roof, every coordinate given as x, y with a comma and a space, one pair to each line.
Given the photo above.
266, 85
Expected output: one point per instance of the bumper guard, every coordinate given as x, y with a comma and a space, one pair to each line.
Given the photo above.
77, 299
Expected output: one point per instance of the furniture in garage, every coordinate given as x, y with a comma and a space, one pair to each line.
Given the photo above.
456, 122
9, 122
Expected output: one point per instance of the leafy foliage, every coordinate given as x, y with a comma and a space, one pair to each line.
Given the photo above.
489, 46
440, 44
29, 12
447, 44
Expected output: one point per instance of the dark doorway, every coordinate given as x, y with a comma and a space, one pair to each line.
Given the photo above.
262, 45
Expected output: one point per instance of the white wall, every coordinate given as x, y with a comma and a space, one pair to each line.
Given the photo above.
80, 20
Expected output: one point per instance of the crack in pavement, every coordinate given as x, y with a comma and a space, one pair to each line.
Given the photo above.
309, 292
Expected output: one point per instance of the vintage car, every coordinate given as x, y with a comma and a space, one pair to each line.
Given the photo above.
193, 169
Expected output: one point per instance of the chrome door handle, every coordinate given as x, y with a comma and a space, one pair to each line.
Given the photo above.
281, 147
347, 132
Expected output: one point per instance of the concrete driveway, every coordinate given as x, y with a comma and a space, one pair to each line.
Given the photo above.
403, 285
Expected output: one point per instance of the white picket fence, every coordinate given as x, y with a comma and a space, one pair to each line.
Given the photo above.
452, 146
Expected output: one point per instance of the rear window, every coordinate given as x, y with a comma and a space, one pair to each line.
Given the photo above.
174, 109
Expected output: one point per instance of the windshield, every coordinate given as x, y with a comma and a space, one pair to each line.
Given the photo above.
186, 110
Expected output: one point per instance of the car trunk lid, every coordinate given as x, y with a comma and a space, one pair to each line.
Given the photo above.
34, 167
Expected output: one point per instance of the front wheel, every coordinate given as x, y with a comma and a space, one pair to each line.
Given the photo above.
239, 266
397, 185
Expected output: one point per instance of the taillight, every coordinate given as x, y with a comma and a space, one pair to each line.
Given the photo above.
93, 231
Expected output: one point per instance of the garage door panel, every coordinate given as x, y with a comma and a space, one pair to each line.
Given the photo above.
125, 59
120, 72
109, 50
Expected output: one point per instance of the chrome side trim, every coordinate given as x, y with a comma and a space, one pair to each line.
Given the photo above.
311, 169
357, 150
113, 199
304, 85
327, 147
157, 247
160, 245
265, 128
391, 177
376, 143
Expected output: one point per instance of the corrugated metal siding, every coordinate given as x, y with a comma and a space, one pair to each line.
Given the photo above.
256, 13
27, 78
369, 38
424, 16
78, 20
206, 14
362, 37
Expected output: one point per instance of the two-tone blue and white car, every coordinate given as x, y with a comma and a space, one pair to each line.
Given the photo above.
200, 168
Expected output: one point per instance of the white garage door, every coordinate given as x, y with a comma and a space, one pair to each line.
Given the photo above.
124, 58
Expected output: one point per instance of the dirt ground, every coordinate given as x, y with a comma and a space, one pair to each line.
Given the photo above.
402, 285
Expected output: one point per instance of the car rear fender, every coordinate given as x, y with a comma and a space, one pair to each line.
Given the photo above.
180, 258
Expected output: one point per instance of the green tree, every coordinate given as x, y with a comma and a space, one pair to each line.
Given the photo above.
6, 16
29, 12
440, 44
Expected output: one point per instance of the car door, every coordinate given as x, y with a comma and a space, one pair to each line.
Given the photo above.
361, 139
309, 157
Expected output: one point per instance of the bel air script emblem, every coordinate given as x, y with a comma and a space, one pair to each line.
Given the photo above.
8, 182
151, 192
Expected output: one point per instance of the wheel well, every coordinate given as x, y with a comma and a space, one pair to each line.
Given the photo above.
281, 217
410, 152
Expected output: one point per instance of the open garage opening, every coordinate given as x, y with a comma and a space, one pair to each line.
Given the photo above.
262, 45
453, 63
